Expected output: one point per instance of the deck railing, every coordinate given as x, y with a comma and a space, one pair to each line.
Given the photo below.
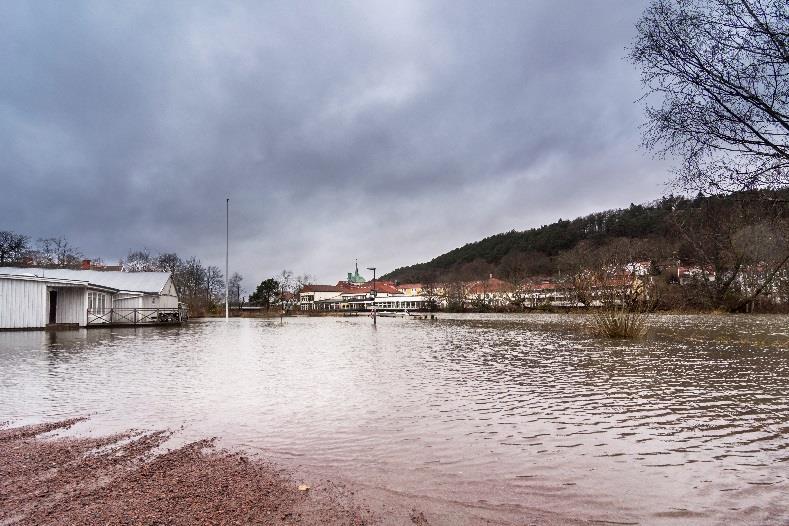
136, 316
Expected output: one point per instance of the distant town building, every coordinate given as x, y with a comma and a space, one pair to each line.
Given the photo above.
353, 294
357, 294
410, 289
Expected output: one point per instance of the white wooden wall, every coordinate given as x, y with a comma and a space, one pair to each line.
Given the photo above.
161, 302
127, 302
169, 297
22, 304
72, 306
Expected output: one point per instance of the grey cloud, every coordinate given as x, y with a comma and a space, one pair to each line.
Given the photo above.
387, 131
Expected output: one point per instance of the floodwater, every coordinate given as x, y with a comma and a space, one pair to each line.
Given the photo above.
689, 425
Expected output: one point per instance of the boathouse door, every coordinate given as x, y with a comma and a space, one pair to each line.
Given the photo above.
53, 306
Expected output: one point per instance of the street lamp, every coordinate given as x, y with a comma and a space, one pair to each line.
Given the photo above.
373, 269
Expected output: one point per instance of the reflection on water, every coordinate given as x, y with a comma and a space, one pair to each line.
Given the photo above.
690, 424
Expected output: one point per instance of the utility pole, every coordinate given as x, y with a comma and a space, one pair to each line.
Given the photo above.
374, 314
227, 258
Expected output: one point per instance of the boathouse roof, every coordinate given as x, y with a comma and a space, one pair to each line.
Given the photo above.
147, 282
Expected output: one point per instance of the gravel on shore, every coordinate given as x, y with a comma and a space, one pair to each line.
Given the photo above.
128, 478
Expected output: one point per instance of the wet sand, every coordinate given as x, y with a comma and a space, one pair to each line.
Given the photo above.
133, 478
123, 479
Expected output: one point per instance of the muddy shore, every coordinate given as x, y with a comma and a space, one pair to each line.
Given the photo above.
132, 478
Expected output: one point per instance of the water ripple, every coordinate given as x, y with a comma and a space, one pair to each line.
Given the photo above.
690, 423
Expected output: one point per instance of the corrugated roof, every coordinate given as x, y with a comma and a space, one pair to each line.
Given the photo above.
150, 282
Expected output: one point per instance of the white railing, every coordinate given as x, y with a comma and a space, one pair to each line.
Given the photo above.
136, 316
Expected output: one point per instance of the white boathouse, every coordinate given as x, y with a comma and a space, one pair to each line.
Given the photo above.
36, 298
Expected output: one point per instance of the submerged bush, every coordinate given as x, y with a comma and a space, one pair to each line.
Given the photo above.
619, 321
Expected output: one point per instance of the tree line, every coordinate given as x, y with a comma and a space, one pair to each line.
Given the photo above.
735, 248
17, 249
281, 289
201, 287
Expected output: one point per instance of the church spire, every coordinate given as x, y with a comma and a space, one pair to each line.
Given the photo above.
355, 277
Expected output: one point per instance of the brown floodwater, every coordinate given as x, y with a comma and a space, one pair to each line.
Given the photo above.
689, 425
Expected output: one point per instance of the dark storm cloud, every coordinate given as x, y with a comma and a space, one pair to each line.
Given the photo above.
339, 130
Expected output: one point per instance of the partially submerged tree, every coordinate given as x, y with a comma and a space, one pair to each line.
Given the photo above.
717, 79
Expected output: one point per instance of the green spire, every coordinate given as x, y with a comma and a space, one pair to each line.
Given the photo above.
355, 277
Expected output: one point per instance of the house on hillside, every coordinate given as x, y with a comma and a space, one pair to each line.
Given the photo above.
36, 298
491, 292
410, 289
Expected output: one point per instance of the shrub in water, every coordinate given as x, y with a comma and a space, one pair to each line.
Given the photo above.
619, 321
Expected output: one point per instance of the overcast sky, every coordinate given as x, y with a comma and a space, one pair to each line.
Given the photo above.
389, 131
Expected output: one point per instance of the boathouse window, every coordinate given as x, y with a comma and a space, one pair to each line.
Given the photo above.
96, 302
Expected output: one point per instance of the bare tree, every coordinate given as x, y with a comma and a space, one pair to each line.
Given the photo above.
12, 246
577, 268
140, 261
514, 268
737, 259
214, 285
191, 283
455, 291
303, 280
168, 262
234, 286
57, 251
717, 79
431, 293
286, 282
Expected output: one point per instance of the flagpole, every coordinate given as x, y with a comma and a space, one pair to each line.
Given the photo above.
227, 257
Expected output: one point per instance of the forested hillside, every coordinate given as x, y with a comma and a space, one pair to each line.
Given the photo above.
539, 251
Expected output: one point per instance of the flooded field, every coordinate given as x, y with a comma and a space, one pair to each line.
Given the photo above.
496, 413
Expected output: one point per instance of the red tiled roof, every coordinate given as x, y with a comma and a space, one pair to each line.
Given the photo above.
490, 285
